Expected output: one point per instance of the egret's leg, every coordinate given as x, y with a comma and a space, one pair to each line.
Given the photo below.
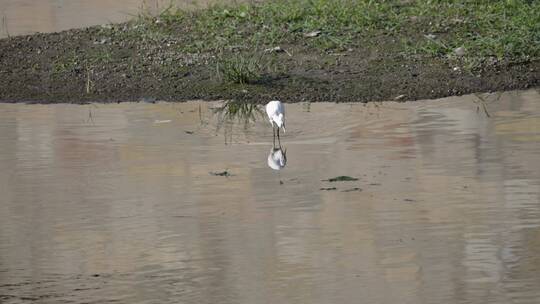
274, 136
279, 141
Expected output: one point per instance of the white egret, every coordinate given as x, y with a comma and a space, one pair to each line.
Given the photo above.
276, 114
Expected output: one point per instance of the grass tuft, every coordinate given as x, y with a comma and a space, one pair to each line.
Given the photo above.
239, 69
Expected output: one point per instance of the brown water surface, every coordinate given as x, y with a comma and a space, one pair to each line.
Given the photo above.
116, 203
21, 17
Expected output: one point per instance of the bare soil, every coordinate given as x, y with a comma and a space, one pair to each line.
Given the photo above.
34, 69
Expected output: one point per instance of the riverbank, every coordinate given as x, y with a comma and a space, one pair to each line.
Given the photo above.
294, 50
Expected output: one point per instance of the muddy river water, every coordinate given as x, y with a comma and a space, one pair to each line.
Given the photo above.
124, 203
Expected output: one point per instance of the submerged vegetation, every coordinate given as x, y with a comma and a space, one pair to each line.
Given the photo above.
342, 178
297, 48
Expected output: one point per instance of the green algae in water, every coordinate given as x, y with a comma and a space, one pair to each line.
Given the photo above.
328, 189
342, 178
223, 173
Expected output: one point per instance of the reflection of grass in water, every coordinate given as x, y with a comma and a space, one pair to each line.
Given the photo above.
483, 99
4, 24
236, 112
91, 114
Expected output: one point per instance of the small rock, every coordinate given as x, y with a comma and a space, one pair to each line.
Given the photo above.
102, 41
400, 97
431, 36
456, 69
312, 34
148, 100
276, 49
460, 51
492, 60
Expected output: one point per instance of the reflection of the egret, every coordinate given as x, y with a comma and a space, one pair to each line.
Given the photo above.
277, 159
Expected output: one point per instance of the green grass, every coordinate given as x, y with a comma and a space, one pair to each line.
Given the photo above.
505, 29
65, 64
233, 40
239, 68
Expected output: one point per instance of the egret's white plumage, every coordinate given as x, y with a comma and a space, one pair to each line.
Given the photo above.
276, 114
277, 159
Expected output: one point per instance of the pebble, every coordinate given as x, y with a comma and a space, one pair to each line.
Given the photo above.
460, 51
